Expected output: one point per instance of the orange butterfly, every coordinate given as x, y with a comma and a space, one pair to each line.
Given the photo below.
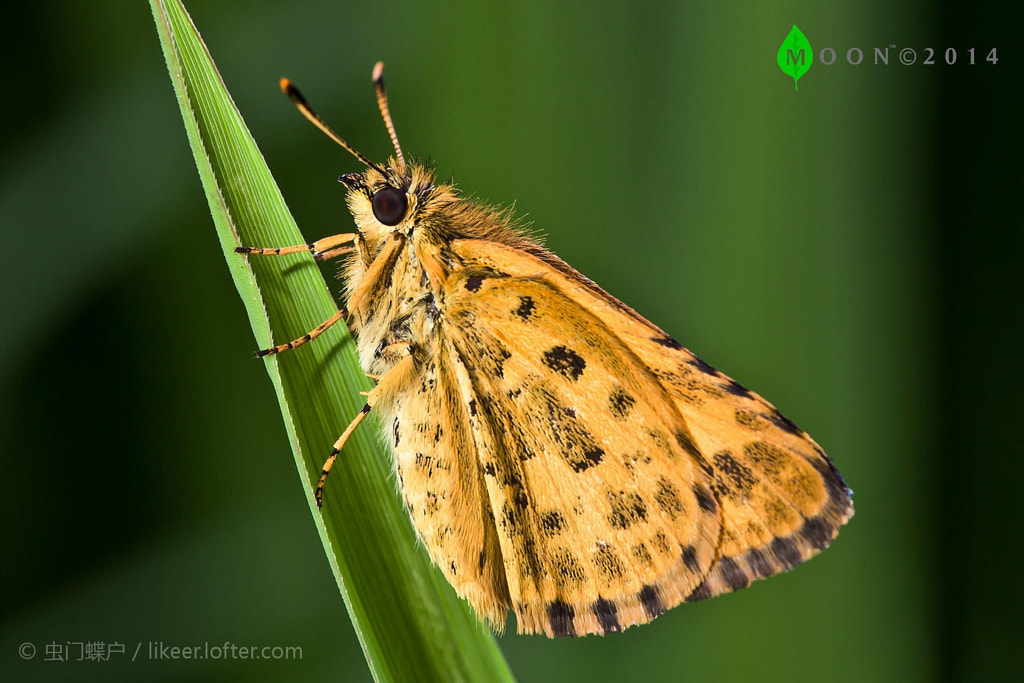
558, 454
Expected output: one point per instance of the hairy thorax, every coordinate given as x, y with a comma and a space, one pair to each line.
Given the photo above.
401, 318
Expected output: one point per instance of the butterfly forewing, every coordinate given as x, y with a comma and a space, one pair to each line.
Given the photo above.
781, 497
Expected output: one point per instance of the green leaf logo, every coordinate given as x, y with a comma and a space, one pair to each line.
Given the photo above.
795, 55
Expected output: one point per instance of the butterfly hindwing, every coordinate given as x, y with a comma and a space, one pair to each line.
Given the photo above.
443, 487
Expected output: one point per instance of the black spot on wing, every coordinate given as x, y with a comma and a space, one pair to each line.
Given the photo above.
498, 354
736, 389
651, 600
576, 445
733, 574
734, 473
761, 565
769, 458
784, 423
620, 402
526, 307
642, 555
705, 500
591, 457
607, 615
667, 341
552, 523
627, 509
473, 282
667, 498
562, 616
701, 592
685, 442
787, 552
690, 558
565, 361
749, 421
703, 367
840, 502
817, 532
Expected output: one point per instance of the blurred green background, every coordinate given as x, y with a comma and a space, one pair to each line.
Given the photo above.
850, 251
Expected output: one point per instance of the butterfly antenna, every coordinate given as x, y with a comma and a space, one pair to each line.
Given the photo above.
303, 106
382, 103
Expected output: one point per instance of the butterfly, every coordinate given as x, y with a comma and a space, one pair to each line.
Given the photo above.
559, 455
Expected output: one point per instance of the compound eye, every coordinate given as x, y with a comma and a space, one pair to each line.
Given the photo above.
389, 205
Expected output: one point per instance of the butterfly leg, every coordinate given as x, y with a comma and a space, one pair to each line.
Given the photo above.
323, 249
308, 337
387, 384
326, 248
383, 261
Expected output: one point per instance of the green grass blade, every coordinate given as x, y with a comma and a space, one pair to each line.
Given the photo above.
409, 621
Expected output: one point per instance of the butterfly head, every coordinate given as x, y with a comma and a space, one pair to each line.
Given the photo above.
391, 198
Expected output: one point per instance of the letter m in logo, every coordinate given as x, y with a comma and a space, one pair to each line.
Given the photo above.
795, 55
